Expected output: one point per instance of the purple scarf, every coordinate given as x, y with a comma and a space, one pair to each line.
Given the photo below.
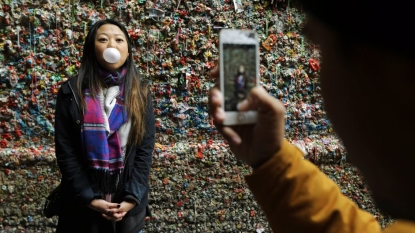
103, 151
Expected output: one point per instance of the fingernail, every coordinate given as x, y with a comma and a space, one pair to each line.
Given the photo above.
219, 115
214, 97
236, 140
242, 105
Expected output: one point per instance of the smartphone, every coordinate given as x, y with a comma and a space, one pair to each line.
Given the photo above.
239, 72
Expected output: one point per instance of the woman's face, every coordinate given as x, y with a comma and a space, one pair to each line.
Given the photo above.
110, 36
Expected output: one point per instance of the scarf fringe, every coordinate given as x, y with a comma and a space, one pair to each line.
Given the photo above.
107, 182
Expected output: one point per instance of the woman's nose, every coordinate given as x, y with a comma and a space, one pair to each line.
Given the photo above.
111, 44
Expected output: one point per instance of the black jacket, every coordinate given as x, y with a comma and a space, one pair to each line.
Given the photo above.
77, 188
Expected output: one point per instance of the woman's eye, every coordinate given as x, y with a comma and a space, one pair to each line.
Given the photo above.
120, 40
102, 39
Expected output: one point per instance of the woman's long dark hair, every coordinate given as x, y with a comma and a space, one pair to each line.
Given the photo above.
135, 91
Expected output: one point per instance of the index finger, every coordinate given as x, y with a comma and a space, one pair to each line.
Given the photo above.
214, 72
119, 215
112, 205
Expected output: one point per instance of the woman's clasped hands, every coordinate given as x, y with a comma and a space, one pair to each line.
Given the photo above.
111, 211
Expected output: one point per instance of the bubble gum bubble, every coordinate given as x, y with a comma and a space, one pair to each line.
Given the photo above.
111, 55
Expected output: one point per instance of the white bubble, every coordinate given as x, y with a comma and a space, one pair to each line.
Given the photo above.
111, 55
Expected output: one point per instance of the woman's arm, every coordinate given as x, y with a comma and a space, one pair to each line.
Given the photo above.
67, 143
136, 187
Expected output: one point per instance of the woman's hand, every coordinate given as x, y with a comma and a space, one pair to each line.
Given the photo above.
115, 217
126, 206
254, 144
102, 206
107, 209
116, 214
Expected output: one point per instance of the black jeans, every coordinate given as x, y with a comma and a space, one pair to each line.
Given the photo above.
131, 224
90, 221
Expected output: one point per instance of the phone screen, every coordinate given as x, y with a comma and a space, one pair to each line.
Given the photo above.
239, 72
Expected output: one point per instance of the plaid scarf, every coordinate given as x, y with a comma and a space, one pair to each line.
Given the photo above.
103, 147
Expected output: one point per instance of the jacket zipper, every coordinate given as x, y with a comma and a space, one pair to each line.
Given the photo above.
76, 101
125, 161
126, 157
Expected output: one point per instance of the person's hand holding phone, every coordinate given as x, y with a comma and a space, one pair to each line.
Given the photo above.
255, 143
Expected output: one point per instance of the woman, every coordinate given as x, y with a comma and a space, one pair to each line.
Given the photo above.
104, 138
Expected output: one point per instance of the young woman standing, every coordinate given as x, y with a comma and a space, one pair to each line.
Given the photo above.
104, 138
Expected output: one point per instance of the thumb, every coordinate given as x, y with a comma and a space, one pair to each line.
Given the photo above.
259, 100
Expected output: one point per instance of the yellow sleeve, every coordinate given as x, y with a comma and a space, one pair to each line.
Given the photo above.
297, 197
401, 226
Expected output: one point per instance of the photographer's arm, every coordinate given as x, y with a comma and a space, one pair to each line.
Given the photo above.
297, 197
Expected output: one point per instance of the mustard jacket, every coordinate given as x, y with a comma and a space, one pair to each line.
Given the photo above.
297, 197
